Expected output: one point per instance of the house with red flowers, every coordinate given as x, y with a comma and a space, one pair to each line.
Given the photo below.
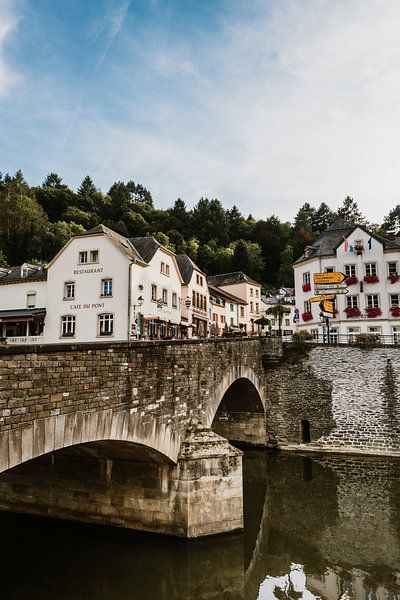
371, 265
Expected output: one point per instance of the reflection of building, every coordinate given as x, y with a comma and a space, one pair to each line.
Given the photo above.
249, 291
195, 298
371, 265
22, 302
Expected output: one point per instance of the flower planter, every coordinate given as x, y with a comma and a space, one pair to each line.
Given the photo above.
306, 287
351, 280
352, 312
373, 312
371, 279
395, 311
307, 316
394, 278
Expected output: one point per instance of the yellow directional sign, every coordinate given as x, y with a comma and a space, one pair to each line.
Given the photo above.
329, 278
327, 306
325, 297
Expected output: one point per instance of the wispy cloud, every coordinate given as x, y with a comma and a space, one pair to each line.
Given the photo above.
8, 22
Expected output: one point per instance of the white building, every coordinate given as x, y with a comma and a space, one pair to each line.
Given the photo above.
285, 297
224, 314
22, 303
242, 286
372, 267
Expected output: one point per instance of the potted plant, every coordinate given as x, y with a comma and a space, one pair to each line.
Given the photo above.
351, 280
352, 312
306, 287
394, 278
371, 279
373, 311
395, 311
307, 315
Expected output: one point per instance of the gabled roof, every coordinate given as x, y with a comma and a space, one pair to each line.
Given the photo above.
328, 241
13, 274
121, 242
186, 267
146, 246
230, 279
216, 291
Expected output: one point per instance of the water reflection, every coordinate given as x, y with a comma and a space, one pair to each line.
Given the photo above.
323, 527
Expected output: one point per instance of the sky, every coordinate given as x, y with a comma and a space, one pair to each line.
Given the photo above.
266, 104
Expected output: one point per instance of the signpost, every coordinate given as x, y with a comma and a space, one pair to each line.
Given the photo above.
331, 290
329, 278
323, 297
326, 287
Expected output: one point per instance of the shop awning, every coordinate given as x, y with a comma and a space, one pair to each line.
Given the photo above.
22, 314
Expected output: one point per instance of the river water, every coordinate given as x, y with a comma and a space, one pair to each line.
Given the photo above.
315, 527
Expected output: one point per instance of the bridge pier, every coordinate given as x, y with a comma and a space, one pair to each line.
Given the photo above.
199, 496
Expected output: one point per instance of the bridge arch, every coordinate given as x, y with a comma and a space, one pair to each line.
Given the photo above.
59, 432
237, 411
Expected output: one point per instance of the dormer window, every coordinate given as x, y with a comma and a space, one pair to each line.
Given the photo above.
24, 272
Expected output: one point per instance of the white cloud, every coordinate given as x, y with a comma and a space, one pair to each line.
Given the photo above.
8, 22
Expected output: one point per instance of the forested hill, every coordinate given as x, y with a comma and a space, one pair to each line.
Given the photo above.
35, 222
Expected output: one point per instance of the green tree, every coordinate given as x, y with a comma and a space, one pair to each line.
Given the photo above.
209, 222
350, 211
285, 274
247, 257
278, 312
54, 181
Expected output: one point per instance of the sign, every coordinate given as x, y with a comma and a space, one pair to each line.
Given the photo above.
327, 306
332, 290
323, 297
329, 278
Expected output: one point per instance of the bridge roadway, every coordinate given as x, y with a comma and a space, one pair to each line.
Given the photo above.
132, 434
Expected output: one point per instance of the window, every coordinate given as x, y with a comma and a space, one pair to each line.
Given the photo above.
352, 333
256, 293
83, 257
31, 299
306, 278
394, 299
162, 267
164, 296
106, 324
396, 335
231, 322
231, 307
69, 290
68, 326
24, 272
370, 268
256, 307
154, 293
372, 301
94, 256
329, 269
350, 270
174, 300
242, 311
375, 330
167, 269
392, 268
352, 301
307, 306
287, 322
251, 292
251, 307
106, 287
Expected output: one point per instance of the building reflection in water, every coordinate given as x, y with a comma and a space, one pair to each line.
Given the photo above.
316, 527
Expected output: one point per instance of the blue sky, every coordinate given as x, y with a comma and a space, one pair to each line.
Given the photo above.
263, 104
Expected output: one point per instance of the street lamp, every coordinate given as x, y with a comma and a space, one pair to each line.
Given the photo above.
280, 313
137, 319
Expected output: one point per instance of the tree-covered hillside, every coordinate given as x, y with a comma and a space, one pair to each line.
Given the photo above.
35, 222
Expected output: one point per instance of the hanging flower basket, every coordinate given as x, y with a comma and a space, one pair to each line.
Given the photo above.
307, 316
394, 278
373, 312
306, 287
352, 312
351, 280
395, 311
358, 247
371, 279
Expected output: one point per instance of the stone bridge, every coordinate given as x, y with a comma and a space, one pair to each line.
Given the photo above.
127, 433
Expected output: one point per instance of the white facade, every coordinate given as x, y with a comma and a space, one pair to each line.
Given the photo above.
357, 255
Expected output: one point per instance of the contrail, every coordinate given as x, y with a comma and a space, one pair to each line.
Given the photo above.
116, 21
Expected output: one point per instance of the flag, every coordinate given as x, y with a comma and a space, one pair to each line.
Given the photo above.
346, 245
369, 243
351, 248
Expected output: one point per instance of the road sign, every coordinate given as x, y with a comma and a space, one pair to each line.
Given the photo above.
324, 297
332, 290
329, 278
327, 306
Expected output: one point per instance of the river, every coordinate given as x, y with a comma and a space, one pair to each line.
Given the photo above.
316, 526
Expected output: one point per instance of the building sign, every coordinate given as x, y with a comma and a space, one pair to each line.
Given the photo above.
83, 306
83, 271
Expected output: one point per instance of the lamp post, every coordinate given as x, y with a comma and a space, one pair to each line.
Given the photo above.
137, 318
279, 311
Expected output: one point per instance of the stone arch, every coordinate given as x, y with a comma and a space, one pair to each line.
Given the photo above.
237, 411
50, 434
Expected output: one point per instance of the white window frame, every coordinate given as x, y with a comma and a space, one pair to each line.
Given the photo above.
307, 306
352, 301
371, 269
33, 295
391, 271
372, 301
67, 286
105, 325
68, 326
83, 257
350, 270
174, 300
165, 296
105, 283
153, 292
306, 278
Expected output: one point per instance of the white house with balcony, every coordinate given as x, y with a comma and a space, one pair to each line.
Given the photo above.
371, 265
22, 303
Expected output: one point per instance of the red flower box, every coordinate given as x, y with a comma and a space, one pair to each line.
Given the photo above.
306, 287
307, 316
352, 312
395, 310
351, 280
371, 279
373, 312
394, 278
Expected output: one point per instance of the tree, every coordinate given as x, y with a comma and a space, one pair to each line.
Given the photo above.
305, 217
209, 222
278, 311
247, 257
285, 276
350, 212
392, 220
54, 181
323, 217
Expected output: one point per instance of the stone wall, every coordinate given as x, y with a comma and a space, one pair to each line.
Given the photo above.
349, 396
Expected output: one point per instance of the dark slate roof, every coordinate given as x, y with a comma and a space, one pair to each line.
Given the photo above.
22, 313
215, 291
13, 274
230, 279
186, 267
145, 246
121, 242
328, 241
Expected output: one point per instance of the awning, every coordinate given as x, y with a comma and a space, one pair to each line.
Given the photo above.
22, 314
